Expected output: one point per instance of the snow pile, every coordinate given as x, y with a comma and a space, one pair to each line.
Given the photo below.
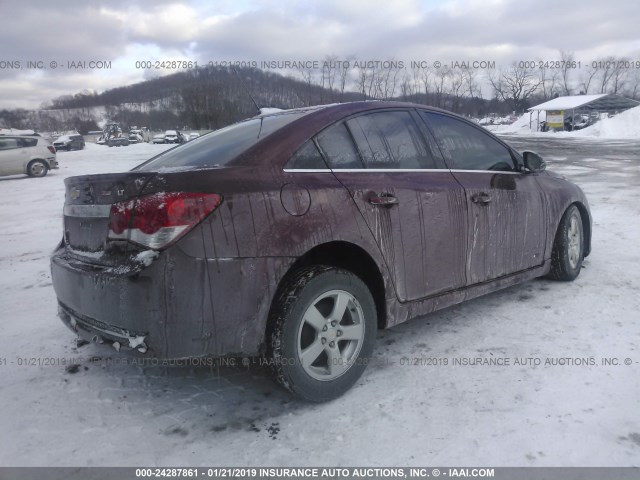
623, 125
15, 131
492, 120
525, 123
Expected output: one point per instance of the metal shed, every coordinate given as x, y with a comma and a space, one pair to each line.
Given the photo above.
560, 109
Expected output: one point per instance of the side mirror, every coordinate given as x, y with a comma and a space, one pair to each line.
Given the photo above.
533, 162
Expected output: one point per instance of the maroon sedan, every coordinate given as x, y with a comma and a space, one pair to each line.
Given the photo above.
296, 235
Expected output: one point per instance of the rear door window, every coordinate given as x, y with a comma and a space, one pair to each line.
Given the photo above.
390, 140
338, 148
307, 157
28, 142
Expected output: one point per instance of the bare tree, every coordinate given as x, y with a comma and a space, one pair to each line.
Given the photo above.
386, 79
567, 62
588, 76
425, 78
607, 67
457, 88
619, 76
308, 75
441, 85
363, 80
343, 75
470, 84
329, 72
407, 86
515, 85
633, 85
548, 81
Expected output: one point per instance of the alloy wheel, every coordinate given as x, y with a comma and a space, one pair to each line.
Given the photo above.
330, 335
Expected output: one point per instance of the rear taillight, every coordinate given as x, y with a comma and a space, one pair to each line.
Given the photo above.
51, 149
159, 219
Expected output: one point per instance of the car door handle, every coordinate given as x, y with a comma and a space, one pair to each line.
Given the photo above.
481, 198
383, 200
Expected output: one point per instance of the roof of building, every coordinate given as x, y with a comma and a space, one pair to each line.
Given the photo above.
603, 101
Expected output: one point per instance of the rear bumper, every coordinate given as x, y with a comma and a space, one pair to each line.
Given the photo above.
93, 330
109, 305
177, 307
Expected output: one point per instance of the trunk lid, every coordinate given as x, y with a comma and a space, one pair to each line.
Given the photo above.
88, 201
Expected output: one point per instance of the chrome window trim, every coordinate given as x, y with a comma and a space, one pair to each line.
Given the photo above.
87, 211
393, 170
390, 170
484, 171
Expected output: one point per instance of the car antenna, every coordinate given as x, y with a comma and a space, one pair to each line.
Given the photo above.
246, 89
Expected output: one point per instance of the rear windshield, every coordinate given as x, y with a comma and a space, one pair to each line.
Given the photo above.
218, 148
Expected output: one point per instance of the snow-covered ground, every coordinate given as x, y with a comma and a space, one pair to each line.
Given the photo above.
101, 412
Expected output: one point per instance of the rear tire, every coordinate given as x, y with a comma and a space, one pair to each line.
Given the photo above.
323, 327
37, 168
568, 248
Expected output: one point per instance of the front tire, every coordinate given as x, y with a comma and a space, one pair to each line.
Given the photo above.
37, 168
568, 248
323, 330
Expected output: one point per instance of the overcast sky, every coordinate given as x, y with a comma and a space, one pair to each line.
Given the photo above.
124, 32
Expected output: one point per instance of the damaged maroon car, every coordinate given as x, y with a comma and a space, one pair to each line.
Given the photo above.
296, 235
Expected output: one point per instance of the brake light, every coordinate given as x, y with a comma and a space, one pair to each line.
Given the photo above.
51, 148
159, 219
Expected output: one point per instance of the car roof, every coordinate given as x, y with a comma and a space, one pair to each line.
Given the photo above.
340, 110
285, 141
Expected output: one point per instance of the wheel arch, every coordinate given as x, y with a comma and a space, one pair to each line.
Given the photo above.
586, 226
351, 257
37, 159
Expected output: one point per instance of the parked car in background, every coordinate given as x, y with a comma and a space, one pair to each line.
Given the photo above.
174, 136
577, 122
580, 122
69, 142
135, 137
193, 135
30, 154
159, 138
119, 141
297, 235
141, 135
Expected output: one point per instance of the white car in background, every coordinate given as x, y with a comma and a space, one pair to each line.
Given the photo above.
28, 154
159, 138
193, 135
